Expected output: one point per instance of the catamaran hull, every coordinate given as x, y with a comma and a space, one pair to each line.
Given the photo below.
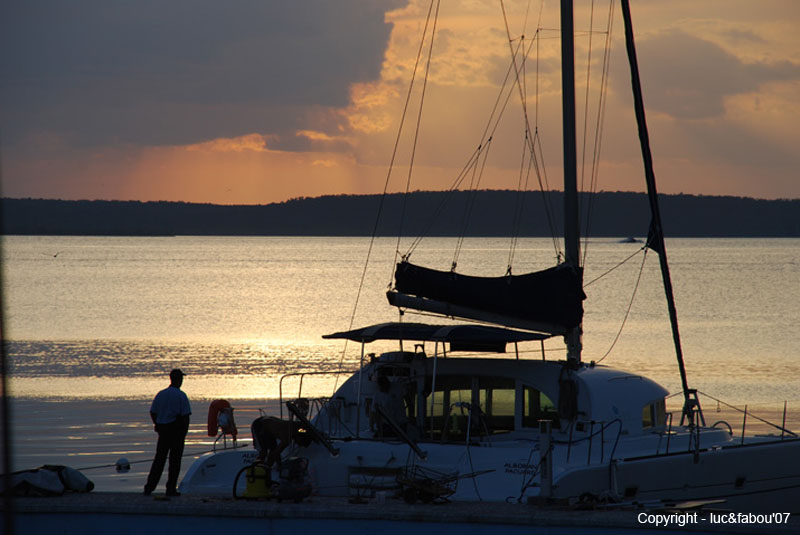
760, 477
362, 468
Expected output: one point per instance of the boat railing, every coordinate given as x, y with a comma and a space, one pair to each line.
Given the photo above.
596, 429
726, 410
669, 434
315, 405
302, 376
754, 420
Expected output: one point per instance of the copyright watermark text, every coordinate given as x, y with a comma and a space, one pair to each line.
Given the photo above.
684, 519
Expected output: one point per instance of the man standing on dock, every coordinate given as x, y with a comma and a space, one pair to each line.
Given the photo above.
170, 413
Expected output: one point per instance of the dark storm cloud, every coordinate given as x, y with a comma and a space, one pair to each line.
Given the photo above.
689, 78
179, 71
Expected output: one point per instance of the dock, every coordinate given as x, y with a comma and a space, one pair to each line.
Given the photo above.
129, 513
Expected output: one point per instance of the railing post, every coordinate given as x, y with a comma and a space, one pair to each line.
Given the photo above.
669, 432
569, 445
602, 441
783, 424
545, 458
358, 398
744, 422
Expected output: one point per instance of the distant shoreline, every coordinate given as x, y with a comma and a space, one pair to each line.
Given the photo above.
491, 213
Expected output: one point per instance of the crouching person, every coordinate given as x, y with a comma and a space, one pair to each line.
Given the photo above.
272, 435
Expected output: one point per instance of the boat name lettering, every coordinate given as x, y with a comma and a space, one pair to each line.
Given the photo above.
520, 468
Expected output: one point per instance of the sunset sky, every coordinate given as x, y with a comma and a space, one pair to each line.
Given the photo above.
261, 101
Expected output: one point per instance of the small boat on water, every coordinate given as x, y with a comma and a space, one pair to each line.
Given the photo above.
442, 417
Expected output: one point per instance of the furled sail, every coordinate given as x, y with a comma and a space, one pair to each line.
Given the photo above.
549, 300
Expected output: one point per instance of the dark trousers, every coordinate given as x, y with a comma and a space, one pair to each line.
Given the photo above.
170, 444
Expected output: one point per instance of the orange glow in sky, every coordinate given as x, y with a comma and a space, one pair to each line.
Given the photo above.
246, 121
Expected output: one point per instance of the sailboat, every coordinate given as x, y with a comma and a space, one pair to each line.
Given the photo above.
427, 424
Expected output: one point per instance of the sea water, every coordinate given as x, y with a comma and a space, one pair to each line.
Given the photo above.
99, 321
108, 317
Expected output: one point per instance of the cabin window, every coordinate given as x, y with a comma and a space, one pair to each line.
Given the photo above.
496, 396
537, 406
504, 405
654, 414
445, 418
647, 416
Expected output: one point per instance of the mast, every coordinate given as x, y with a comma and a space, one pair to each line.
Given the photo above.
571, 217
655, 239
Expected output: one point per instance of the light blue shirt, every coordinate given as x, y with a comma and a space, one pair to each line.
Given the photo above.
169, 404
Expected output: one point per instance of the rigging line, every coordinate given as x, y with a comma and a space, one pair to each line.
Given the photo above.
586, 103
540, 172
516, 220
517, 201
421, 104
402, 122
150, 459
525, 20
473, 195
580, 33
532, 148
538, 37
491, 127
383, 199
519, 83
511, 68
399, 135
538, 56
628, 311
545, 197
598, 136
519, 206
493, 123
491, 119
438, 210
643, 248
465, 216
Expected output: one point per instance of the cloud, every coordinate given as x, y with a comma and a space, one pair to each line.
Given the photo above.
690, 78
263, 100
250, 142
181, 72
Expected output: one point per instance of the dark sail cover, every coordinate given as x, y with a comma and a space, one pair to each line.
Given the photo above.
551, 296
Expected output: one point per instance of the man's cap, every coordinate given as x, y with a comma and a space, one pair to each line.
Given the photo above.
176, 373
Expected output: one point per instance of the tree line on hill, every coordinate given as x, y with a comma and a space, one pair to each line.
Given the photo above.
483, 213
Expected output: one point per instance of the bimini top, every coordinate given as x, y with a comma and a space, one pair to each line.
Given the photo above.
460, 337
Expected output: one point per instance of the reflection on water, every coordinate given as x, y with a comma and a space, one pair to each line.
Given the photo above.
108, 317
200, 388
